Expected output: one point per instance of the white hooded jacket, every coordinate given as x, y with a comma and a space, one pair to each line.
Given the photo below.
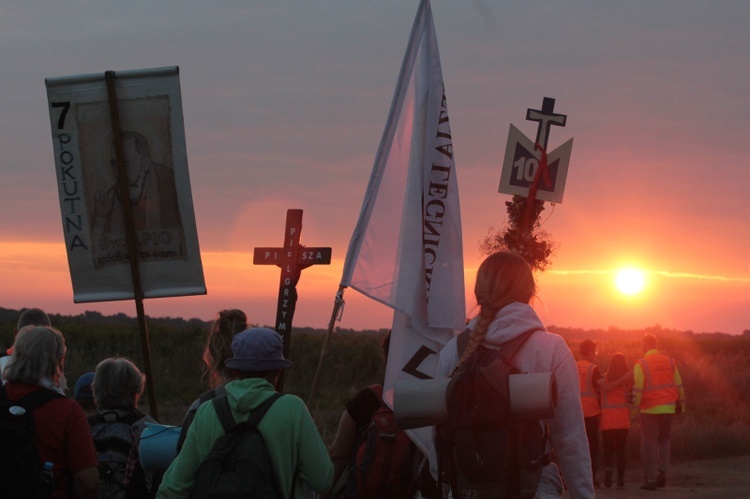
543, 352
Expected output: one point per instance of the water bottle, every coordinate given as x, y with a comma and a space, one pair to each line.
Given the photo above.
46, 481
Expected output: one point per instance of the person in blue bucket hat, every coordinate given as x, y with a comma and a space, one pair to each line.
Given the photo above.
297, 452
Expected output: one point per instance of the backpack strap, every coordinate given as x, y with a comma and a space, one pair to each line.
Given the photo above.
133, 416
377, 389
462, 341
190, 416
507, 350
219, 391
260, 411
95, 419
224, 412
34, 399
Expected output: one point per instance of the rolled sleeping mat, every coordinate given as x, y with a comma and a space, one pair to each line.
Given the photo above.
421, 402
158, 446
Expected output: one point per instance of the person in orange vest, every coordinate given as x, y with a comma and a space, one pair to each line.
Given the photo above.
588, 380
659, 394
616, 388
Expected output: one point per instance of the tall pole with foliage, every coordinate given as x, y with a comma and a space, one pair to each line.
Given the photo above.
522, 233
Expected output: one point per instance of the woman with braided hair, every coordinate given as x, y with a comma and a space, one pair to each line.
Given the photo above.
503, 289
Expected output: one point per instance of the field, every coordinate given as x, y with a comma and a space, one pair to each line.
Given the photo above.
714, 367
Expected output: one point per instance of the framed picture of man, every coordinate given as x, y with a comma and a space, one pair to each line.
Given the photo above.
152, 140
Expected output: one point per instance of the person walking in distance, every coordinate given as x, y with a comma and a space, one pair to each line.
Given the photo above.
616, 388
588, 380
660, 395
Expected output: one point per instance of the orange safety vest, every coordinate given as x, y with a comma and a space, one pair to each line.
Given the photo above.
589, 396
615, 412
658, 381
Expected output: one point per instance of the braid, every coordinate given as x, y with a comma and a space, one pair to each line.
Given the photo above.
503, 278
477, 334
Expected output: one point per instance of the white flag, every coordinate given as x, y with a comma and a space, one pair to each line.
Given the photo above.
406, 250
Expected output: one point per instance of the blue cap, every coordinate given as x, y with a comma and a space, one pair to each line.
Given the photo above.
83, 389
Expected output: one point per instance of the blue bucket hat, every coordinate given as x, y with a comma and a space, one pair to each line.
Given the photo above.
257, 349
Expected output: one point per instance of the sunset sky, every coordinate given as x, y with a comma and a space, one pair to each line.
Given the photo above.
284, 106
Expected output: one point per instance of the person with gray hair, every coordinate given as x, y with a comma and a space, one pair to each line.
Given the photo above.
61, 431
29, 317
118, 384
117, 427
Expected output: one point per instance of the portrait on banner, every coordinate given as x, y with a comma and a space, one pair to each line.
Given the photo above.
152, 193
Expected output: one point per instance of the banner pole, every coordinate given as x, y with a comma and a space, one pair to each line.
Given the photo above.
324, 350
135, 272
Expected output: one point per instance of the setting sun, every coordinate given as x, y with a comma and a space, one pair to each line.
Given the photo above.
630, 281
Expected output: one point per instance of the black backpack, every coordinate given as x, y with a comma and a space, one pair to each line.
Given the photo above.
190, 416
238, 465
20, 464
483, 451
116, 440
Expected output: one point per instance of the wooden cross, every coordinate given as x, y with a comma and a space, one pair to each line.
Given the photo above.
545, 117
292, 258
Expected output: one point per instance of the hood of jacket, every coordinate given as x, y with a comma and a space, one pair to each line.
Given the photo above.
247, 394
510, 321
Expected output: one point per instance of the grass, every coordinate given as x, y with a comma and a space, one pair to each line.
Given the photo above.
715, 369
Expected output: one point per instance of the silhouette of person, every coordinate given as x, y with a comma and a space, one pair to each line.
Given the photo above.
615, 386
659, 394
588, 380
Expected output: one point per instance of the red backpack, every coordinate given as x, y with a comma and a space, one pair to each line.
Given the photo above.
384, 462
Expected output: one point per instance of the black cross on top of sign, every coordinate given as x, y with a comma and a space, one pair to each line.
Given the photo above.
545, 117
292, 258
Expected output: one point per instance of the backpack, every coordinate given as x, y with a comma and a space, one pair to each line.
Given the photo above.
116, 440
483, 451
190, 416
238, 464
20, 463
383, 464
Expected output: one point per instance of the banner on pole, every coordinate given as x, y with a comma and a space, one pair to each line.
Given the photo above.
406, 250
153, 141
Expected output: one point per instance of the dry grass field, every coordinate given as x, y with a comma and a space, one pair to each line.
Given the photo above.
710, 444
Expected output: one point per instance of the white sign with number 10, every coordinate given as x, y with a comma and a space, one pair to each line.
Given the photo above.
522, 162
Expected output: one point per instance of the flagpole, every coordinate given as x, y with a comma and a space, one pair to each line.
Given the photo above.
130, 237
338, 302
